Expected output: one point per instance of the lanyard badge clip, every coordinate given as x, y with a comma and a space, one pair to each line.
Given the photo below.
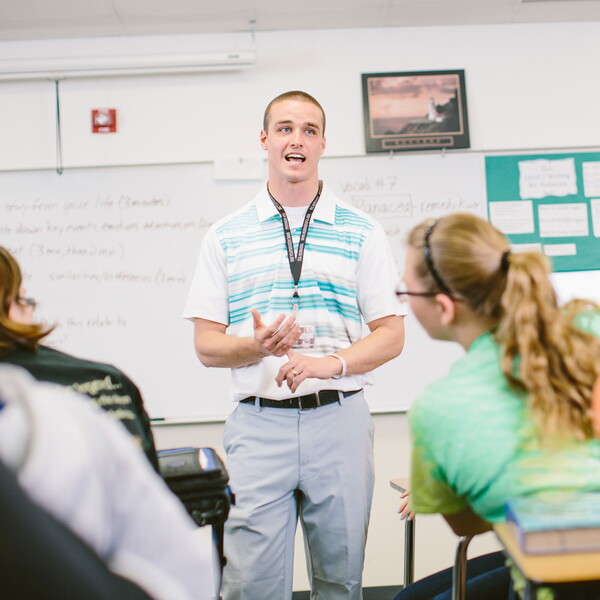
295, 300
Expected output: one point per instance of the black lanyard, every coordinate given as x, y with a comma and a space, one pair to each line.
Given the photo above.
296, 259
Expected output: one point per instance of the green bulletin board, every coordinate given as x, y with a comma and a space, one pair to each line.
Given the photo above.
550, 202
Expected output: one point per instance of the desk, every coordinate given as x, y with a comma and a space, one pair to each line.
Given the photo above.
548, 568
401, 485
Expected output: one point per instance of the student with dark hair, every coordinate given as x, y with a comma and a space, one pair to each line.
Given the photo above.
513, 417
21, 344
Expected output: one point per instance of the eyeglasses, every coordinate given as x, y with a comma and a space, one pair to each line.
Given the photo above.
401, 293
30, 302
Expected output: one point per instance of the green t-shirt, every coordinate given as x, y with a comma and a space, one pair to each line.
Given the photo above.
474, 445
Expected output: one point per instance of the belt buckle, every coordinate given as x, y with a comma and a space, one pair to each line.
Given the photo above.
317, 401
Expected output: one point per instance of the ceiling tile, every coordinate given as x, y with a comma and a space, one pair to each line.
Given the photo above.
38, 11
458, 12
322, 17
559, 11
217, 9
47, 19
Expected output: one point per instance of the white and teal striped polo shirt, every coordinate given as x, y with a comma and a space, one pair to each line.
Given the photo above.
348, 273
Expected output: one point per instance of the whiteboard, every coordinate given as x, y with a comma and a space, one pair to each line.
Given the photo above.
401, 191
109, 254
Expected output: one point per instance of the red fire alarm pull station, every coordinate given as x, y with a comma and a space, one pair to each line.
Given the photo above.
104, 120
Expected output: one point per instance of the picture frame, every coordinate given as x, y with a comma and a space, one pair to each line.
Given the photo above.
415, 110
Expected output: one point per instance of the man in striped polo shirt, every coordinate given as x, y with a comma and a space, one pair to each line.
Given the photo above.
278, 295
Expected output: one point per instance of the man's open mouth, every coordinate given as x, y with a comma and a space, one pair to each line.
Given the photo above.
295, 158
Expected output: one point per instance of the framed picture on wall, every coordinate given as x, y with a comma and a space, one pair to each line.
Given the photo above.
420, 110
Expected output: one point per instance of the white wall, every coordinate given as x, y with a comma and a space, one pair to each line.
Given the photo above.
528, 87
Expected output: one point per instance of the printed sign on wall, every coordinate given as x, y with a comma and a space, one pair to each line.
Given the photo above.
550, 202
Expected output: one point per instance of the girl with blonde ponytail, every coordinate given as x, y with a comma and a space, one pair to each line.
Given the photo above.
514, 416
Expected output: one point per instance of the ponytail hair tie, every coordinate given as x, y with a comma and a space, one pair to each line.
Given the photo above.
504, 263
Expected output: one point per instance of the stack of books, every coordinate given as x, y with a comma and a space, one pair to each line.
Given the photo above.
555, 523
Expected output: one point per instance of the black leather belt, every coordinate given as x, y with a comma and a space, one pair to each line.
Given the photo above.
321, 398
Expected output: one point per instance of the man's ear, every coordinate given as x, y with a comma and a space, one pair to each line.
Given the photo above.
263, 139
323, 145
447, 308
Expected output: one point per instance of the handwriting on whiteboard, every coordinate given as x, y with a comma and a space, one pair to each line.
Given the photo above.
414, 193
